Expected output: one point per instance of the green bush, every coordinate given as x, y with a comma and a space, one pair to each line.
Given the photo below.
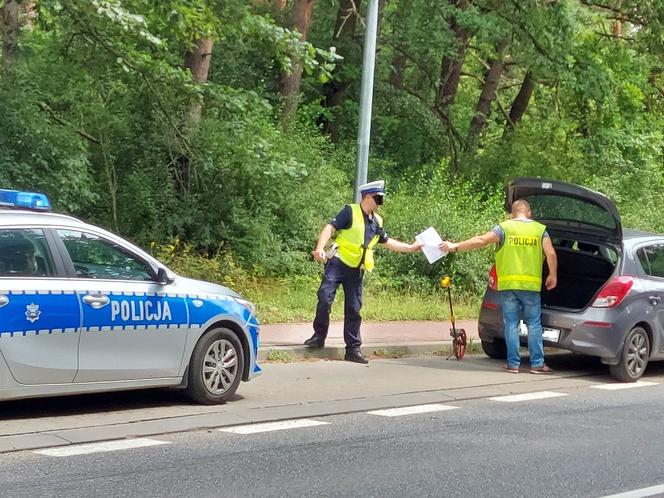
457, 211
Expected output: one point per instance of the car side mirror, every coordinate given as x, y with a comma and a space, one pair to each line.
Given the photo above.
163, 277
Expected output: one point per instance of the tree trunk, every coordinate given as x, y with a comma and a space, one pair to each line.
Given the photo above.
198, 59
198, 62
290, 83
617, 24
398, 70
522, 99
347, 14
29, 13
343, 36
379, 28
488, 95
10, 27
450, 72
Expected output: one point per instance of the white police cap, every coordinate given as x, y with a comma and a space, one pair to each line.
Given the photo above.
377, 187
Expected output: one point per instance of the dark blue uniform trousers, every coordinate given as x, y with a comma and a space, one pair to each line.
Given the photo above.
337, 273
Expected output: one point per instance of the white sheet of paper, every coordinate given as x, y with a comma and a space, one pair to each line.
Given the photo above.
430, 240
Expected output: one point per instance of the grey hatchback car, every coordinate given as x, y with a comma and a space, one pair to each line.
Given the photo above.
608, 301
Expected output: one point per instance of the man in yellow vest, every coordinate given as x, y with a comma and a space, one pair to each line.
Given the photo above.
358, 230
523, 244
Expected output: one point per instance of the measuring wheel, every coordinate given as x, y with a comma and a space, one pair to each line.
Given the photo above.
459, 343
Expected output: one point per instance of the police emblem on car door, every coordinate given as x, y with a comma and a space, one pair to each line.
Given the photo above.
133, 327
32, 312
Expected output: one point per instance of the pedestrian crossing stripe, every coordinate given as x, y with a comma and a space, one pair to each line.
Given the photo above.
515, 398
273, 426
624, 385
412, 410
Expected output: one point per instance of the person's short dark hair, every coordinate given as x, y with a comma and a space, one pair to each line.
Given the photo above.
520, 205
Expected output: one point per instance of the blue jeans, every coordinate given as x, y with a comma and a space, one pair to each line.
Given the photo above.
512, 301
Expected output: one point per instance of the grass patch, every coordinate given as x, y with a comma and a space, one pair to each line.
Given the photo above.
279, 356
280, 301
472, 347
293, 299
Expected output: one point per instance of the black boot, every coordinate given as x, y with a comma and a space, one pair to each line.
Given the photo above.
356, 356
314, 342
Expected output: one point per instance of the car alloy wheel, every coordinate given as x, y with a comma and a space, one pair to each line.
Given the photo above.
216, 367
637, 354
220, 367
634, 357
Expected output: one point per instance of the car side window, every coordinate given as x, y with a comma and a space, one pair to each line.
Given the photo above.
652, 260
24, 252
98, 258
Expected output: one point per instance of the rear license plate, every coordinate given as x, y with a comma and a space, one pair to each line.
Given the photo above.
548, 334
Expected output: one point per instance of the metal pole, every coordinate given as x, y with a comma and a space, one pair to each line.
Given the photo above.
366, 98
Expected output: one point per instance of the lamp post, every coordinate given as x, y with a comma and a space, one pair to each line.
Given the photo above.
366, 97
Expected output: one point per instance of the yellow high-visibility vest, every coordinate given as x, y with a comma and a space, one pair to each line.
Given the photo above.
519, 261
350, 241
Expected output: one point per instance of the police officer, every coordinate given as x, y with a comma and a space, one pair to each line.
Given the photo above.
358, 229
523, 244
19, 256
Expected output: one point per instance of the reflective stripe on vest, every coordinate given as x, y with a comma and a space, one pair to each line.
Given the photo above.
519, 261
350, 241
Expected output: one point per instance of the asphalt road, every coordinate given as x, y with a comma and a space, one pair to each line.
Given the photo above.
585, 442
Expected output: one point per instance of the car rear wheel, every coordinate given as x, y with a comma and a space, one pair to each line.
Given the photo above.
634, 357
495, 349
216, 367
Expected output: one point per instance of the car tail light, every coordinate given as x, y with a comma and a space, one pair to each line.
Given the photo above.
493, 278
613, 293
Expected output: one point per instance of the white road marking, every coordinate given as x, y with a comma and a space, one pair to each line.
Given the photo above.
273, 426
513, 398
412, 410
639, 493
624, 385
87, 449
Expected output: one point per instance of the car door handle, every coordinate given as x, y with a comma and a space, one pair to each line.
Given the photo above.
654, 299
4, 301
96, 300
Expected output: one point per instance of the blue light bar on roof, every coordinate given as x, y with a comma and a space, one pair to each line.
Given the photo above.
24, 200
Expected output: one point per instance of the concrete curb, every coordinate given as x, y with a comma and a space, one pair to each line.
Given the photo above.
277, 352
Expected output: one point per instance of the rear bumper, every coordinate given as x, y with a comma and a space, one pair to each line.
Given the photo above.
591, 332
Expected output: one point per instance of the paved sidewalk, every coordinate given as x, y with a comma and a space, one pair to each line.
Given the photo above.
387, 338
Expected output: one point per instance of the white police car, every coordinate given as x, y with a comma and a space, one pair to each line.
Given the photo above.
82, 310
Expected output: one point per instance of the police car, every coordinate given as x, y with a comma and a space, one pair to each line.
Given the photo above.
82, 310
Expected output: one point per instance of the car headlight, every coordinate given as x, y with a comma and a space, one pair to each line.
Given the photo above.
247, 304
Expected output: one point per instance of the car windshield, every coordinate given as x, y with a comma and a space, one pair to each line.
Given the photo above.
554, 207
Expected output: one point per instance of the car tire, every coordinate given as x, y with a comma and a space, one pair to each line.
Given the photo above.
216, 367
496, 349
634, 356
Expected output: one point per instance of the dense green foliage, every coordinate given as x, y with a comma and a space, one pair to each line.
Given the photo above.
96, 112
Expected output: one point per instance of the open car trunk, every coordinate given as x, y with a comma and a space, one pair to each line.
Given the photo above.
585, 229
582, 271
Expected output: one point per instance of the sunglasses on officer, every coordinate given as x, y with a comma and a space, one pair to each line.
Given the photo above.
378, 199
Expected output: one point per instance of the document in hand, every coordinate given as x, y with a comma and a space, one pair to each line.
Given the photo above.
430, 241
